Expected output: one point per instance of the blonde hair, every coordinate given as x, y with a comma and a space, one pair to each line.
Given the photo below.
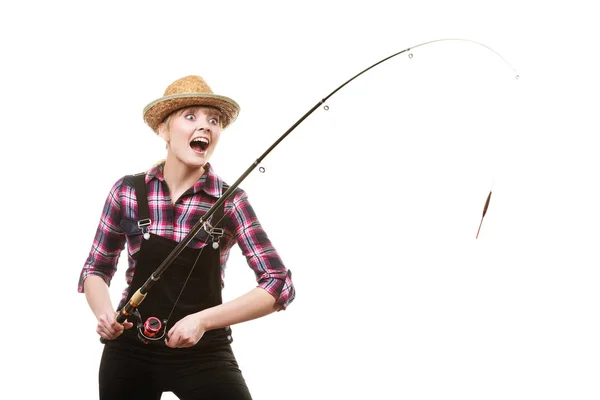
156, 164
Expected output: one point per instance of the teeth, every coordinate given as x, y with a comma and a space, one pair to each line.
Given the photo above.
201, 140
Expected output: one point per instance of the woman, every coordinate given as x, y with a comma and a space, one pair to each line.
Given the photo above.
151, 213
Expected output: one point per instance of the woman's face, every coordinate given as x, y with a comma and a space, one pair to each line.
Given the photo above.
192, 134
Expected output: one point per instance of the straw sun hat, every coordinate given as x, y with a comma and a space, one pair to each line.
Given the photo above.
189, 91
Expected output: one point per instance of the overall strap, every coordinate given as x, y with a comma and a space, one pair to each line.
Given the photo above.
139, 184
216, 232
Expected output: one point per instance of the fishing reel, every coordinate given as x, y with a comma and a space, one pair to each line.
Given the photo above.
152, 330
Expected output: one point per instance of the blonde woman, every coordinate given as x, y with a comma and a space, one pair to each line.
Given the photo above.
150, 214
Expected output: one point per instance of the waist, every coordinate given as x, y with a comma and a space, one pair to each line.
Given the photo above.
211, 339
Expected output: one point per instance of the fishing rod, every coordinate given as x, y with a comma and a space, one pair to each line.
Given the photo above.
130, 308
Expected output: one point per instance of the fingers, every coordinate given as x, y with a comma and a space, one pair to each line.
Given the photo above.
183, 334
109, 328
176, 338
172, 340
178, 342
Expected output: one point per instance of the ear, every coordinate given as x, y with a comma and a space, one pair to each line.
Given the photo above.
163, 132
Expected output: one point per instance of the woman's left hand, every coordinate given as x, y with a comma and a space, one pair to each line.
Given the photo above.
186, 332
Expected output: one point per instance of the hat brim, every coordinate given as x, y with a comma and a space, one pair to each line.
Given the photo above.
158, 110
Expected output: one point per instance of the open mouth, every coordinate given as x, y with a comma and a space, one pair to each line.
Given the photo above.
199, 145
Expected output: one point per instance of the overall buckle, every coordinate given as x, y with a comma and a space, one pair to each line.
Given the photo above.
216, 234
143, 225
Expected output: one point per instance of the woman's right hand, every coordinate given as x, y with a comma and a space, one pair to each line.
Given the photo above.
98, 297
109, 328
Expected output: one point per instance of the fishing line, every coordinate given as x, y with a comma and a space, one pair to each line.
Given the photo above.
140, 294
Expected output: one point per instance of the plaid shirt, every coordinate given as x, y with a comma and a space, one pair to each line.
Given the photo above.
118, 225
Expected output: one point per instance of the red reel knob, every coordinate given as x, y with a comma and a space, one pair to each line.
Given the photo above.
152, 326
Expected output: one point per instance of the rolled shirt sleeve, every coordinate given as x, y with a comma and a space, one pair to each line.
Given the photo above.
270, 272
109, 241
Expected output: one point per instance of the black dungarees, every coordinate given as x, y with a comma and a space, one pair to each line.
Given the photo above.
130, 369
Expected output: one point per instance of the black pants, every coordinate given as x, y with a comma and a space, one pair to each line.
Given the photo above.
132, 370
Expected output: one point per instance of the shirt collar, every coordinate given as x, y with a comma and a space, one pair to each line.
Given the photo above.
210, 183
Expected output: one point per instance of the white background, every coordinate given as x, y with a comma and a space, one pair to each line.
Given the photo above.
374, 204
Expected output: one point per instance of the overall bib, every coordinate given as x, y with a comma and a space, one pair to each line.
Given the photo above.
131, 369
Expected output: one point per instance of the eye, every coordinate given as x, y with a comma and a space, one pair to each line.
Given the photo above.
214, 121
190, 117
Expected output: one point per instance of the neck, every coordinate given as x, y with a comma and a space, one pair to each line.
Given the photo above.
180, 177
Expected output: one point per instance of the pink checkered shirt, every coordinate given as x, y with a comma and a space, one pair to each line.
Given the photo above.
118, 226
